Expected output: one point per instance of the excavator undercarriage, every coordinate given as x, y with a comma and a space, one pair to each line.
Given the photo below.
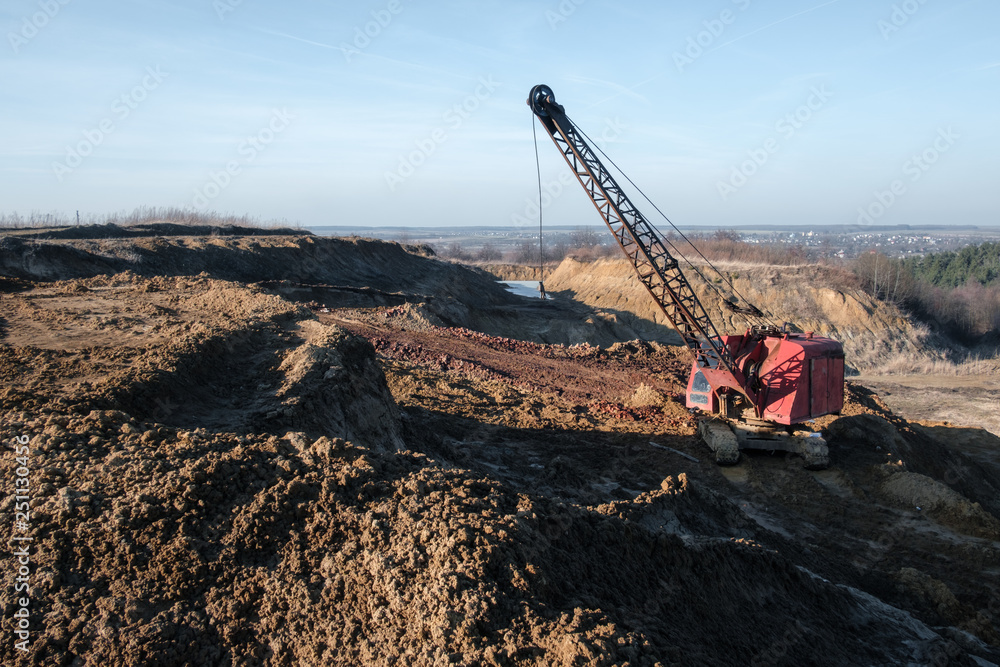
727, 437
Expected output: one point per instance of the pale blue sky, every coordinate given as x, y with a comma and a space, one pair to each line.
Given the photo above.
355, 129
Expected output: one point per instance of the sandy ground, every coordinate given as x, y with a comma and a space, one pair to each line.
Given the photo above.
971, 401
232, 473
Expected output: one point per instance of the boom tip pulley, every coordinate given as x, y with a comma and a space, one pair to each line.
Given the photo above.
539, 94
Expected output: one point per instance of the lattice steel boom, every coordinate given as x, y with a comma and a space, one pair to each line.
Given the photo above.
656, 268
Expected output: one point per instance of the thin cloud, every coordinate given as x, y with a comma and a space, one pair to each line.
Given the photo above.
352, 52
627, 90
621, 90
299, 39
771, 25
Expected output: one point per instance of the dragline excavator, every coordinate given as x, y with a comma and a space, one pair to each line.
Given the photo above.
760, 386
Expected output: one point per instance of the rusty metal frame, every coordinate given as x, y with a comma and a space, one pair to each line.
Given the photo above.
655, 267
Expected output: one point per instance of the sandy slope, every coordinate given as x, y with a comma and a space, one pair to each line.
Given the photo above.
872, 332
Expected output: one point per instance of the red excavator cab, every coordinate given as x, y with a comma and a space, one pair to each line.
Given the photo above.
800, 377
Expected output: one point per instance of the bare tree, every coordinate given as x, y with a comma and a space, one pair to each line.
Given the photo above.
584, 237
526, 252
454, 250
727, 235
488, 253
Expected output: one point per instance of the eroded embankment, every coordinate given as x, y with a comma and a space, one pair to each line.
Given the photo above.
362, 264
328, 271
872, 332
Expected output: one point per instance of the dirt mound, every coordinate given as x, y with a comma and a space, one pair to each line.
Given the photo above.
913, 490
361, 264
200, 353
327, 272
913, 468
931, 591
590, 383
645, 396
865, 428
183, 548
871, 331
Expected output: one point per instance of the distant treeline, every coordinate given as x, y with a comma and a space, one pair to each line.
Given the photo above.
959, 291
955, 268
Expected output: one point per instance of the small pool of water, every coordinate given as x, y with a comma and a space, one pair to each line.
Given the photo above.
528, 288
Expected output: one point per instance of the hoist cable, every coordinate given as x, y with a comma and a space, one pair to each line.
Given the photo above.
538, 171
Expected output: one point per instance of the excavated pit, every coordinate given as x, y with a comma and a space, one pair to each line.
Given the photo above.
231, 470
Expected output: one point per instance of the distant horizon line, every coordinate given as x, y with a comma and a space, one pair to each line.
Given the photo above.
850, 227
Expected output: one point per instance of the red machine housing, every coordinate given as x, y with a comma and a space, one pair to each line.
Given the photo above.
796, 377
